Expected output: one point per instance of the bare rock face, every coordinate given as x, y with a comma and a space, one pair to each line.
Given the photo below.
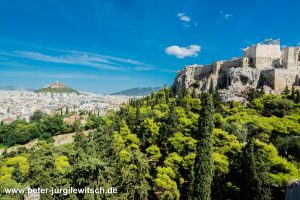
241, 77
293, 191
263, 67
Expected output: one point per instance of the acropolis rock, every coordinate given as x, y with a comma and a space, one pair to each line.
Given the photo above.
264, 65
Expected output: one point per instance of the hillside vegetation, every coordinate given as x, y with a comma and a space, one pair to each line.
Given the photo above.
57, 90
166, 147
139, 91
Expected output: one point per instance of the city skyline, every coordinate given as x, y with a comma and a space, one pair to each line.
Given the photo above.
106, 47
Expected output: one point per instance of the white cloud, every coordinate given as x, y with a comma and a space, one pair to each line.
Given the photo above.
183, 17
182, 52
225, 15
43, 74
88, 59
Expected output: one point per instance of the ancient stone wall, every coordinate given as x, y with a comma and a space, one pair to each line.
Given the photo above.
263, 50
283, 78
291, 57
263, 66
266, 62
223, 79
204, 71
267, 77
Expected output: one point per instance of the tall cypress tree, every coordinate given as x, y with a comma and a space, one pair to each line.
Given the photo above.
170, 125
217, 99
203, 169
16, 173
255, 181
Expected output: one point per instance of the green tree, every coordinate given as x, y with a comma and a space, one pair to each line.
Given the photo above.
217, 99
94, 161
133, 176
167, 95
43, 172
52, 125
255, 178
203, 169
37, 116
17, 174
170, 125
278, 107
165, 187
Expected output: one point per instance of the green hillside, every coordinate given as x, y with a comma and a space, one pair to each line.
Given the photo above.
57, 90
56, 87
164, 147
139, 91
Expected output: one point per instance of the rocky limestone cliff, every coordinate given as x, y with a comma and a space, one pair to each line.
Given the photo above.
263, 67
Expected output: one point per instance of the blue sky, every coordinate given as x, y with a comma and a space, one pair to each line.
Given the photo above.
107, 46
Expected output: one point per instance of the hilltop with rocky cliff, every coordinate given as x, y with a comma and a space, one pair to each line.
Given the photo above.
57, 87
264, 66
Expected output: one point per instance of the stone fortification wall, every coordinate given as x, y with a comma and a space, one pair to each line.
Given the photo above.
267, 77
291, 57
201, 72
263, 50
265, 63
263, 66
235, 63
225, 66
283, 78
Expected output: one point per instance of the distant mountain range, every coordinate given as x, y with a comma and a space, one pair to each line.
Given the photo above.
57, 87
138, 91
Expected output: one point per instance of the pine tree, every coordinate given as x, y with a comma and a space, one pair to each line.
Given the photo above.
156, 99
16, 174
255, 181
171, 93
170, 125
203, 169
138, 115
166, 95
133, 181
94, 162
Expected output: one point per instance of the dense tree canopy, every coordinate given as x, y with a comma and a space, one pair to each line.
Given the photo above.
149, 148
